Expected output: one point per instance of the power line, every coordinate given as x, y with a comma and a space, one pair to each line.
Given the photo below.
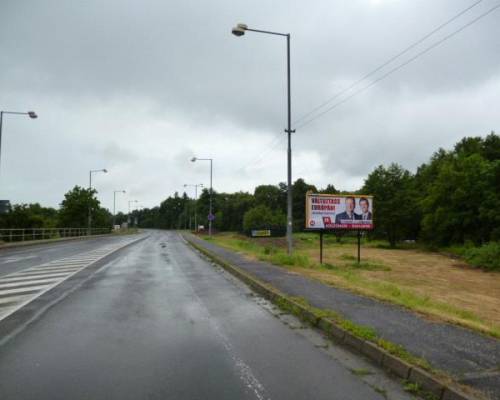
269, 148
426, 50
390, 60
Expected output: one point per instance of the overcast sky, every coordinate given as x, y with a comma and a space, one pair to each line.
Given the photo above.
140, 87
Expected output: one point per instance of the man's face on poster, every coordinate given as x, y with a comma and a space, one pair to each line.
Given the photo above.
349, 205
364, 206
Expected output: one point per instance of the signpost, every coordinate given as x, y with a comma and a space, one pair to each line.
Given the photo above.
4, 206
332, 212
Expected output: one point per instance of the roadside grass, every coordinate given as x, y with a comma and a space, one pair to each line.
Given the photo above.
421, 281
361, 331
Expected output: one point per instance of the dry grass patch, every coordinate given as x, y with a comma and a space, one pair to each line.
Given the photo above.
433, 284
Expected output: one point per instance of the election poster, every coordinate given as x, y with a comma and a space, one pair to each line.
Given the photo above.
342, 212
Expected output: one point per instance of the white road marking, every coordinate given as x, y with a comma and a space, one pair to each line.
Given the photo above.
59, 268
16, 259
12, 299
46, 272
30, 277
5, 292
26, 283
20, 288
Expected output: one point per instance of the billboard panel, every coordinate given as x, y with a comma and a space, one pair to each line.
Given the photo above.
332, 211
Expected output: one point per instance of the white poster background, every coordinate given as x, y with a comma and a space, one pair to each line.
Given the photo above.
329, 212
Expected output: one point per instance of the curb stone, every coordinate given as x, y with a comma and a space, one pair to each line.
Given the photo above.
372, 351
428, 383
353, 341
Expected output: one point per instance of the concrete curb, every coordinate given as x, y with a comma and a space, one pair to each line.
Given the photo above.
397, 366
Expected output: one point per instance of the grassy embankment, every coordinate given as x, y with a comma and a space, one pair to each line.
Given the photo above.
430, 283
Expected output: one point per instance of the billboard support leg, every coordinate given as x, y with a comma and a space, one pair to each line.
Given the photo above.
359, 247
321, 247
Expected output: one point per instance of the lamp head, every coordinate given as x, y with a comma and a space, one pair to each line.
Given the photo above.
105, 170
239, 30
32, 114
193, 159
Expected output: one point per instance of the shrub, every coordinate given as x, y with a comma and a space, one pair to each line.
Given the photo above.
487, 256
262, 217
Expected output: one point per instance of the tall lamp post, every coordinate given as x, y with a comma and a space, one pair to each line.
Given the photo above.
210, 214
114, 205
195, 203
30, 114
239, 30
92, 171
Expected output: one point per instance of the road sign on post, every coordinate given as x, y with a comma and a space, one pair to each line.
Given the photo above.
4, 206
211, 217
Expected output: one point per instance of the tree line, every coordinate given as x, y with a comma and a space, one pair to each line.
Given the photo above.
453, 198
72, 213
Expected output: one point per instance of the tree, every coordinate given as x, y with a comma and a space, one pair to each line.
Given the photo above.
231, 209
459, 192
262, 217
330, 189
29, 216
395, 202
461, 203
299, 190
75, 207
273, 197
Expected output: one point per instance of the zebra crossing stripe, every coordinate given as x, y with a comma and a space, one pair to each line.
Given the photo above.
20, 288
26, 284
8, 292
37, 276
9, 301
42, 272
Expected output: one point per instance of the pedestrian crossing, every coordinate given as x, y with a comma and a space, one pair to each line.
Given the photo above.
20, 288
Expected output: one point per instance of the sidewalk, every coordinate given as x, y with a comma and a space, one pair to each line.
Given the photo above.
470, 357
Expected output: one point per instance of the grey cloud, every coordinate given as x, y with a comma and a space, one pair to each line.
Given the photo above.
141, 86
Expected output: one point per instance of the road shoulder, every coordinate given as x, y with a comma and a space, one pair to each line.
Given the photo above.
272, 282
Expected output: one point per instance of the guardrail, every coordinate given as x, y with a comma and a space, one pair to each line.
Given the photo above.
21, 235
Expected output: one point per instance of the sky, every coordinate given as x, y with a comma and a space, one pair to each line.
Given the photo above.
141, 87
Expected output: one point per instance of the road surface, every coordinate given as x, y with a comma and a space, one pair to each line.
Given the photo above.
155, 320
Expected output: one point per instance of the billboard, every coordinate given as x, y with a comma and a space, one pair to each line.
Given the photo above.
332, 211
261, 232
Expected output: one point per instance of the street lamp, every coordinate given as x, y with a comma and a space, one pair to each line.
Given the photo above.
114, 204
195, 203
210, 215
92, 171
239, 30
30, 114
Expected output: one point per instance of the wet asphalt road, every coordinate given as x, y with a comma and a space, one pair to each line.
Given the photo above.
19, 258
159, 322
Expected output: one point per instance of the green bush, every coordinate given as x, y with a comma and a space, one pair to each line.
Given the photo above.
262, 217
487, 256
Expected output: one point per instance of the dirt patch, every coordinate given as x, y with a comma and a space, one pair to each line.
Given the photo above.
439, 277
